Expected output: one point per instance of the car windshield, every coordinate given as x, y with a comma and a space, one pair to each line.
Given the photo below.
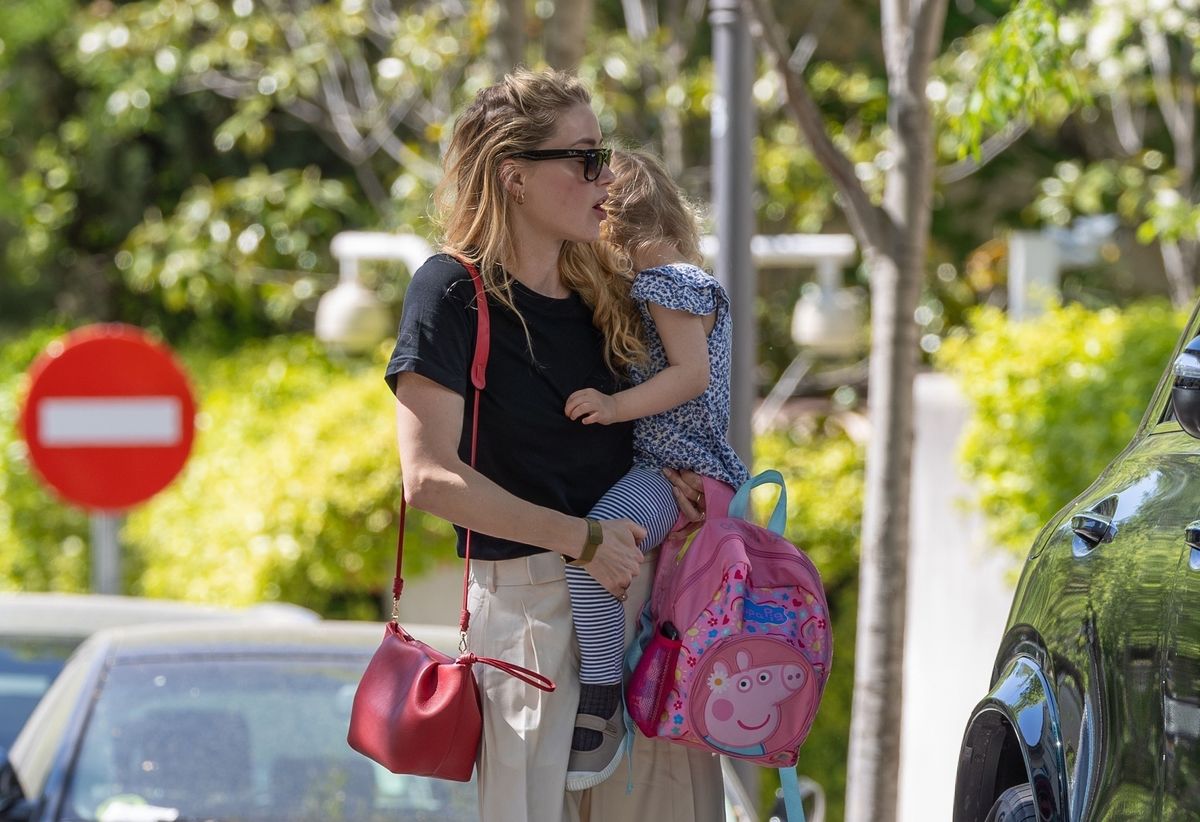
246, 740
27, 667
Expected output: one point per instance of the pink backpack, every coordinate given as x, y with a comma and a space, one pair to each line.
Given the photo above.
741, 644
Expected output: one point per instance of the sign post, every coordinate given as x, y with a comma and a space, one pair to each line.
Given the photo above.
109, 422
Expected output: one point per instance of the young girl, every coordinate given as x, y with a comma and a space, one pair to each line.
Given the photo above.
679, 403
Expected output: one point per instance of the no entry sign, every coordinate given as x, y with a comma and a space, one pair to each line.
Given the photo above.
109, 419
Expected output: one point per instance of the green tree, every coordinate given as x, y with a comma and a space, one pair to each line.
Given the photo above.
1136, 153
341, 105
893, 231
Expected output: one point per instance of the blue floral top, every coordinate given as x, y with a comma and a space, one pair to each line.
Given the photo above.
695, 434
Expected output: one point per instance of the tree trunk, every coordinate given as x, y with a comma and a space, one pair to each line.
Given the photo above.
911, 35
894, 239
1179, 261
506, 48
897, 271
1175, 95
566, 33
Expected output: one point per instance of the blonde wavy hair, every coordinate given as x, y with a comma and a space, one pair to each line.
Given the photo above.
472, 208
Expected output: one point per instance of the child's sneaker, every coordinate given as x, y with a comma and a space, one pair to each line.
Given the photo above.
587, 769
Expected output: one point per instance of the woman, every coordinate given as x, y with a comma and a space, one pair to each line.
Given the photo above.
524, 190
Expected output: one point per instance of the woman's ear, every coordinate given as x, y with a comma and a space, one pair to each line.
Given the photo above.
513, 180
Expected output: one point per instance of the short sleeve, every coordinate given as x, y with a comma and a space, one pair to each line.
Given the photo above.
680, 287
436, 326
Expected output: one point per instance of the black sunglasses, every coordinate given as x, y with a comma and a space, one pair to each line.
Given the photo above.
594, 159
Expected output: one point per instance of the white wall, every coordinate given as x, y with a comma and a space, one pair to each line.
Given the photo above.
959, 593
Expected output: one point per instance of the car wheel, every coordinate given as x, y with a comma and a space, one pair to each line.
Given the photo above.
1014, 805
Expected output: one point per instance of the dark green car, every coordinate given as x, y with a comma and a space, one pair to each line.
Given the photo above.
1094, 709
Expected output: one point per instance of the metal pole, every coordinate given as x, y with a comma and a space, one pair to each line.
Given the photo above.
106, 553
732, 130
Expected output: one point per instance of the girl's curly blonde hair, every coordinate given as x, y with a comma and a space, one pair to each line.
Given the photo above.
645, 208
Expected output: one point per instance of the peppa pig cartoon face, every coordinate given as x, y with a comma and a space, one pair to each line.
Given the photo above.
744, 703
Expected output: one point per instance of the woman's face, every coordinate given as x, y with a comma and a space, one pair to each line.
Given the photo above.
559, 202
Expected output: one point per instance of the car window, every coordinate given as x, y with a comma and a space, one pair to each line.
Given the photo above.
27, 667
238, 739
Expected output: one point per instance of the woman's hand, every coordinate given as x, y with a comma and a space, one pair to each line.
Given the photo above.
688, 488
618, 558
592, 406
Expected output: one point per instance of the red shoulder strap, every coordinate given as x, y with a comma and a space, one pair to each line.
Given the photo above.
483, 339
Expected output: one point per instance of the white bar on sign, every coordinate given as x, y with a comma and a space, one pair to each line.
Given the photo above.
74, 422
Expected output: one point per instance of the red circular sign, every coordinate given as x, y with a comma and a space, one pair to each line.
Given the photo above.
110, 417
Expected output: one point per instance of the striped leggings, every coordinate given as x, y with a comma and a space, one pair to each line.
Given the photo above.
645, 497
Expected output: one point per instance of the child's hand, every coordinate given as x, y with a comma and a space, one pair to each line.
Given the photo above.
589, 405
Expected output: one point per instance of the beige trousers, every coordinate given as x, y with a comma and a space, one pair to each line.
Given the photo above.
521, 613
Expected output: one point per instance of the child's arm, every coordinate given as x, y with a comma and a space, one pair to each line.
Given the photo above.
685, 341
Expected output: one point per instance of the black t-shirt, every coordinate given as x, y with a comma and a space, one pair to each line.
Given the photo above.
527, 445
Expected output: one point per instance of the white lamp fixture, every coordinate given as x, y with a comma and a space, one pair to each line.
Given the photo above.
828, 321
350, 317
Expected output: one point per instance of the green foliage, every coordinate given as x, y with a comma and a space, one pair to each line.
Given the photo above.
1135, 159
823, 469
797, 193
242, 251
126, 123
42, 542
1054, 400
292, 489
1018, 69
27, 21
289, 494
1143, 190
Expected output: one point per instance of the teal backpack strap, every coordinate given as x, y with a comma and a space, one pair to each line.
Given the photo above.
791, 794
741, 500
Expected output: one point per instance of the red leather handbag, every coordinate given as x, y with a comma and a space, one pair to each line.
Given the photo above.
416, 710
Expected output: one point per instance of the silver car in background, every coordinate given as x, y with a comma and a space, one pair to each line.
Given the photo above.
38, 631
222, 720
